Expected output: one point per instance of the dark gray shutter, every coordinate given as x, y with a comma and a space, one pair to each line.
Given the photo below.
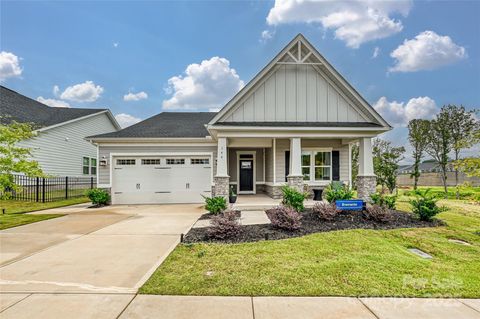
335, 165
287, 164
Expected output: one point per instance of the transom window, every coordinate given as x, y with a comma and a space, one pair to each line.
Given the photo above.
89, 166
150, 161
175, 161
317, 165
125, 162
197, 161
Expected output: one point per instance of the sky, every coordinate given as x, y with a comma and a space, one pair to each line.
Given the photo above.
406, 58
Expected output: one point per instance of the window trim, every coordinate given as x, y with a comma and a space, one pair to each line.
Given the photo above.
175, 161
202, 159
125, 164
90, 166
312, 152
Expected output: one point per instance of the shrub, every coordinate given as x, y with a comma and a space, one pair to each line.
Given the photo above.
98, 196
293, 198
337, 191
425, 205
284, 217
383, 200
215, 205
325, 211
224, 226
378, 213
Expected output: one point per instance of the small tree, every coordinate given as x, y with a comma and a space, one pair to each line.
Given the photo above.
355, 154
417, 130
439, 143
470, 166
463, 127
14, 158
385, 163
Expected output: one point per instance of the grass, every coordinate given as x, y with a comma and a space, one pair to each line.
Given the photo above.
15, 211
340, 263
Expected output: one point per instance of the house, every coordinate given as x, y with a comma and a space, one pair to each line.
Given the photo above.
427, 166
60, 146
292, 124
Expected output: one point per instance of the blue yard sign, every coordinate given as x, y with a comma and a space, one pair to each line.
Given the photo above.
350, 204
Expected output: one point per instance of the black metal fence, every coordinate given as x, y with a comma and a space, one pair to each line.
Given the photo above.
50, 189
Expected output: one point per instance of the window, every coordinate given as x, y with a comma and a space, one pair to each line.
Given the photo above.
317, 165
150, 161
93, 166
195, 161
125, 162
175, 161
86, 165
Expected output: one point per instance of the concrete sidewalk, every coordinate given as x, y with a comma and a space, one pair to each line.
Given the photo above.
125, 306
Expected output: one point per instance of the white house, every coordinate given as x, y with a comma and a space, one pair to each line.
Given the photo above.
60, 146
293, 123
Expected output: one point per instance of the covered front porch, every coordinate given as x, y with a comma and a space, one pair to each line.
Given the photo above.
262, 165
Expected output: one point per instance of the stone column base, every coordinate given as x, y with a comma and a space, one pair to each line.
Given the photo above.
221, 187
366, 186
295, 182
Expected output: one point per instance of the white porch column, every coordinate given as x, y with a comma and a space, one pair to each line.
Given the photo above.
221, 179
295, 178
222, 157
366, 179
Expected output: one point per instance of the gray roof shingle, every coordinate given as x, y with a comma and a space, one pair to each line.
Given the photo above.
17, 107
166, 124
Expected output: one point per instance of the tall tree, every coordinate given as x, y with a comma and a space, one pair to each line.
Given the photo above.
385, 163
417, 130
470, 165
14, 158
463, 127
439, 143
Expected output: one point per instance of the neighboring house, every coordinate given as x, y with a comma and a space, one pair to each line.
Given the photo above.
60, 146
293, 124
428, 166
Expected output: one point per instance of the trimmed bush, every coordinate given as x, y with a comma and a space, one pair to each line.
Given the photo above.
284, 217
337, 191
215, 205
293, 198
225, 225
98, 196
325, 211
425, 205
384, 200
377, 213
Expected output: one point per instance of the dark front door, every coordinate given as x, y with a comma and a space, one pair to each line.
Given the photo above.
246, 175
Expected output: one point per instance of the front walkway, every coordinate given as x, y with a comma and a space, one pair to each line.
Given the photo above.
109, 306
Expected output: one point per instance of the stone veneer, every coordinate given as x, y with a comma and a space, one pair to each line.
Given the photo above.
221, 188
366, 186
273, 191
295, 182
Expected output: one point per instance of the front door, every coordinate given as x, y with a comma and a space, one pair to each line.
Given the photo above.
246, 175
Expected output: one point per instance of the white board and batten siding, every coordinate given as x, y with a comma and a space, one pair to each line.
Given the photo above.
60, 150
295, 93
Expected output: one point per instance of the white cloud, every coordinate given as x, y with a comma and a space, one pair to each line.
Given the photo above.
83, 92
135, 96
115, 44
427, 51
267, 35
354, 22
399, 113
52, 102
206, 85
215, 109
125, 120
376, 52
9, 66
56, 90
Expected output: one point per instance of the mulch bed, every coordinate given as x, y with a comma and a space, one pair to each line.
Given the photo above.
210, 215
312, 224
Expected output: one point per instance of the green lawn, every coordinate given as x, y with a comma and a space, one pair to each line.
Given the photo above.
15, 211
340, 263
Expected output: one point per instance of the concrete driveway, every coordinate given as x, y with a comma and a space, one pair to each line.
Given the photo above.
109, 250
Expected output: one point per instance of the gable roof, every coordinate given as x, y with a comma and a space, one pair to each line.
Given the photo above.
166, 125
304, 53
20, 108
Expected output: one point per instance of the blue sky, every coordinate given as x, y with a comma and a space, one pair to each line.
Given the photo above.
93, 54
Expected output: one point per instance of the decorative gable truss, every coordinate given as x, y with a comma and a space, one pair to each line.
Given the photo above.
298, 85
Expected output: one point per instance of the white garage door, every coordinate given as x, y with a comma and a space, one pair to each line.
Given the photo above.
163, 179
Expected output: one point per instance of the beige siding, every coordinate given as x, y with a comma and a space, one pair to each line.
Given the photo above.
60, 150
269, 165
105, 151
296, 93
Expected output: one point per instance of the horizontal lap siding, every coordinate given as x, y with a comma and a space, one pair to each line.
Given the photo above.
59, 150
105, 151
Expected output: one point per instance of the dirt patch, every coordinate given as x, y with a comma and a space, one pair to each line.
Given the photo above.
312, 224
